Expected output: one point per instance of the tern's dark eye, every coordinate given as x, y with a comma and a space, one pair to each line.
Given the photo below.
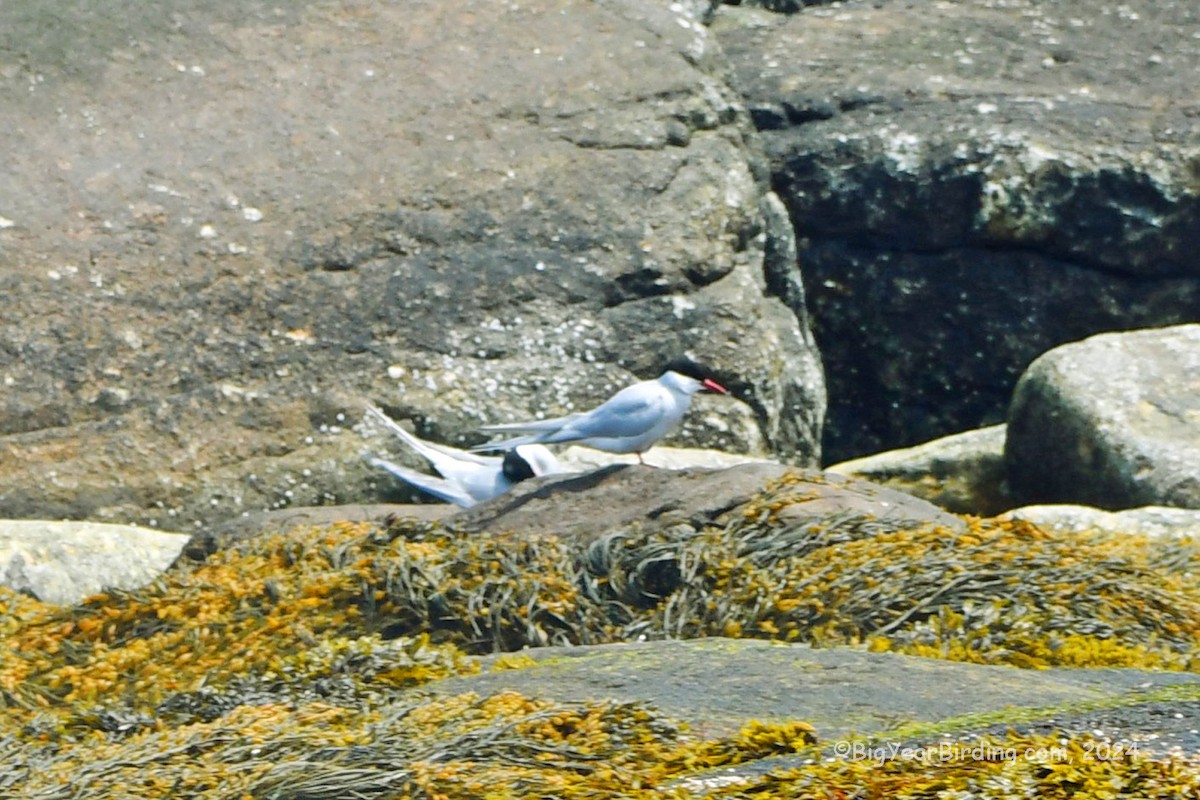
515, 467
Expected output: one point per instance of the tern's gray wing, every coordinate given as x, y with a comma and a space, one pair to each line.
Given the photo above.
538, 430
508, 444
532, 426
439, 488
625, 415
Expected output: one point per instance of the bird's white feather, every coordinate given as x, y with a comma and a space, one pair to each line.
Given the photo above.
438, 487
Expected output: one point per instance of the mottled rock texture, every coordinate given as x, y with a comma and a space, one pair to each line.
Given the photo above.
583, 507
963, 473
226, 226
1157, 521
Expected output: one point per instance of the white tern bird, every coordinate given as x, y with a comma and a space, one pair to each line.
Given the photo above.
467, 478
630, 421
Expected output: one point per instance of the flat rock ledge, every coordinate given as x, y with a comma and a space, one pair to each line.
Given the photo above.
716, 685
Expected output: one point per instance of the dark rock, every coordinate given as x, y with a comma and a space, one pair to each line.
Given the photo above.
250, 220
1110, 422
779, 6
585, 506
972, 187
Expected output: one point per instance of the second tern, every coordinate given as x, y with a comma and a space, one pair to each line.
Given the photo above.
467, 478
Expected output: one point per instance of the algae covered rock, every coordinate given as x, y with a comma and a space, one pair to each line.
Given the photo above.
308, 663
225, 533
963, 473
715, 684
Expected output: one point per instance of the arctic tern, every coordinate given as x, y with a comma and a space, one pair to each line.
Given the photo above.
467, 478
630, 421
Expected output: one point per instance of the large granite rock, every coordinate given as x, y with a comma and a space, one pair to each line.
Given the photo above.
971, 185
63, 562
586, 505
225, 226
1112, 421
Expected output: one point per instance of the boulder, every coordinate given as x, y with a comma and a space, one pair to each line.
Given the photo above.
971, 187
63, 562
227, 225
963, 473
582, 507
222, 534
1157, 521
1112, 421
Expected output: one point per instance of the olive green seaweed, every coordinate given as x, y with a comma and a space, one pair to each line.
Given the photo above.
291, 666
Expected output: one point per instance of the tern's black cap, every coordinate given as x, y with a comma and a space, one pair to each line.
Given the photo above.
688, 368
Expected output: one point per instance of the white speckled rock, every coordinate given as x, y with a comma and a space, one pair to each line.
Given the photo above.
1148, 521
64, 562
537, 244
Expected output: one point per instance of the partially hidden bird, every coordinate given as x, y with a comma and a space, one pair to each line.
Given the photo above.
467, 478
630, 421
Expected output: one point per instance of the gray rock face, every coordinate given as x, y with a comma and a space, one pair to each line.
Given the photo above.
1112, 422
225, 226
63, 562
972, 186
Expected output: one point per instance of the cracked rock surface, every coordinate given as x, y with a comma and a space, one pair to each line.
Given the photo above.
224, 228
